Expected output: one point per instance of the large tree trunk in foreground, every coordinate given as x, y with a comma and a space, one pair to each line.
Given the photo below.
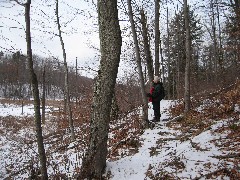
94, 161
41, 150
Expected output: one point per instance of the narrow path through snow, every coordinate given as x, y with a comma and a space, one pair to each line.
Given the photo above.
158, 154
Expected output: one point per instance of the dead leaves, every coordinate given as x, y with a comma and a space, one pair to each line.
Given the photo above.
162, 174
153, 151
223, 106
223, 172
124, 137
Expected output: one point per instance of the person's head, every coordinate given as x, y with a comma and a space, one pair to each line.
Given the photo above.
156, 79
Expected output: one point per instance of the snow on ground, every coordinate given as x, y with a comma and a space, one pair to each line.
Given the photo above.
170, 156
17, 110
161, 151
13, 146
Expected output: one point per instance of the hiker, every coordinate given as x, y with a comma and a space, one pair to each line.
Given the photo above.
156, 95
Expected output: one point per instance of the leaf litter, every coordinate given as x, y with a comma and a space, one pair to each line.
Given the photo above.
205, 144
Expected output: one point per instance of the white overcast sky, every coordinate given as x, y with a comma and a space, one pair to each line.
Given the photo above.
44, 43
79, 34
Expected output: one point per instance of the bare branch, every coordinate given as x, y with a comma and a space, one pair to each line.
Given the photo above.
22, 4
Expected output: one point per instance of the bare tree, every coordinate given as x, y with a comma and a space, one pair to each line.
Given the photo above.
214, 38
147, 50
41, 150
188, 59
219, 36
94, 161
43, 94
157, 37
179, 56
168, 57
67, 93
139, 66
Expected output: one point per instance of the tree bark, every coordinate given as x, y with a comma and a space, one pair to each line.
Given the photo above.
178, 38
168, 58
188, 60
220, 51
67, 93
76, 85
162, 65
139, 66
94, 161
214, 38
41, 150
43, 95
157, 37
147, 50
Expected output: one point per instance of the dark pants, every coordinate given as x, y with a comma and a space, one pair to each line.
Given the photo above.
156, 109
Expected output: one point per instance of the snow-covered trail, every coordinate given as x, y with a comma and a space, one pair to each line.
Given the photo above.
135, 167
158, 154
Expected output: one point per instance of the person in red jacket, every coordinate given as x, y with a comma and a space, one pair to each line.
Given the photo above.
156, 94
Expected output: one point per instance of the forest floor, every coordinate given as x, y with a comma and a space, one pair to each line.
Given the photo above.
205, 144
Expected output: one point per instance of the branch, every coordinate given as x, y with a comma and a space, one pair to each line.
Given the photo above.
12, 27
180, 2
227, 156
16, 1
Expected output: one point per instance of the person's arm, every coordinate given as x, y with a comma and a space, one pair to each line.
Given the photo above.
156, 91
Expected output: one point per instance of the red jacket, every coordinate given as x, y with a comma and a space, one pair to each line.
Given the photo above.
151, 91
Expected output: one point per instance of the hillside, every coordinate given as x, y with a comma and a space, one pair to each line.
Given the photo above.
204, 145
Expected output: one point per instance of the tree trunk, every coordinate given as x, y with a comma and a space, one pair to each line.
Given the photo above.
178, 83
188, 59
94, 161
168, 58
114, 109
67, 93
147, 50
220, 51
139, 66
162, 65
76, 84
41, 150
157, 37
43, 94
215, 48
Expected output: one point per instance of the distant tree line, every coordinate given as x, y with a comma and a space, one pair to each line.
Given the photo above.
15, 81
15, 78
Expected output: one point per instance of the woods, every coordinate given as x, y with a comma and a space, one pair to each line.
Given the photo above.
192, 46
213, 39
